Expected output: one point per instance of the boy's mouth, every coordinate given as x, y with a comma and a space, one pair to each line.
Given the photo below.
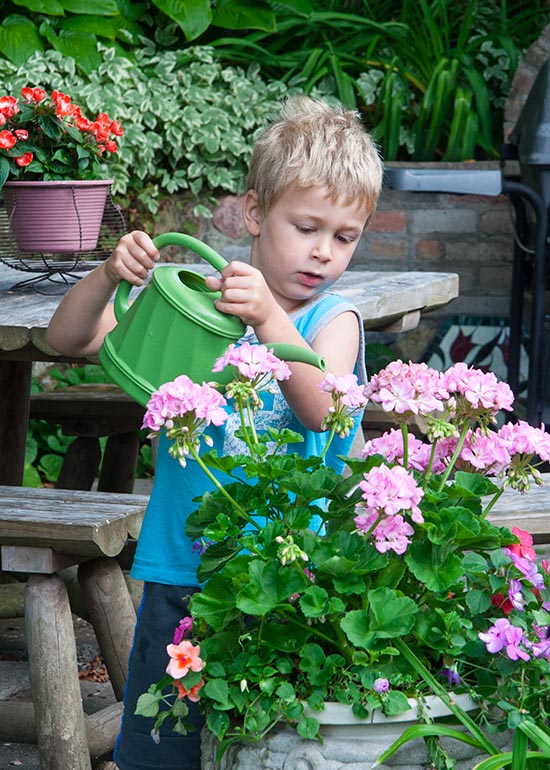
310, 279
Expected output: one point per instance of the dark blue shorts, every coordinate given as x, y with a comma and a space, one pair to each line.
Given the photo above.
161, 608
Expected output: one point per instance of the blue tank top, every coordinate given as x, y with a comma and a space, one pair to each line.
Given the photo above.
164, 553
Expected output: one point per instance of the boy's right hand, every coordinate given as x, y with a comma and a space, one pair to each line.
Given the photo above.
132, 259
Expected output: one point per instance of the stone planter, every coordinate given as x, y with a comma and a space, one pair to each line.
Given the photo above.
346, 741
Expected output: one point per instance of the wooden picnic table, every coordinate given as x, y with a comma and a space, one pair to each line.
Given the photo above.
529, 511
387, 301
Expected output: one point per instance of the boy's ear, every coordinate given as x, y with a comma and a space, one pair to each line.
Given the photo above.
251, 212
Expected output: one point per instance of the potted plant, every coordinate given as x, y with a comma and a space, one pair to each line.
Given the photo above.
371, 591
55, 159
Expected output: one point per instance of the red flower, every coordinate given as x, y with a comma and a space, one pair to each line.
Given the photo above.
524, 547
62, 103
21, 133
8, 106
33, 94
24, 160
110, 146
116, 128
7, 140
502, 603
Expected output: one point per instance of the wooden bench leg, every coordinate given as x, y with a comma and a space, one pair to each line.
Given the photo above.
112, 615
80, 464
60, 726
118, 468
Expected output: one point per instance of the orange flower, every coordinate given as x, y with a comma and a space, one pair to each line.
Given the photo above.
192, 694
183, 657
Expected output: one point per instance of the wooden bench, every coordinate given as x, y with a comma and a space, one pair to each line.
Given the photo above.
41, 531
529, 511
89, 412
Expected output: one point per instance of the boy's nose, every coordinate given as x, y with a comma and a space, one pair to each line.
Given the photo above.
322, 249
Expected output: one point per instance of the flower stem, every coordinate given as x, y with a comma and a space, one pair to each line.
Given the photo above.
222, 489
442, 693
492, 503
456, 453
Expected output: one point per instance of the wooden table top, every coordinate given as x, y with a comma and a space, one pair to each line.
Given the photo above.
382, 298
529, 511
68, 521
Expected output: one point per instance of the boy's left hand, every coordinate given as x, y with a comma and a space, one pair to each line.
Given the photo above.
245, 293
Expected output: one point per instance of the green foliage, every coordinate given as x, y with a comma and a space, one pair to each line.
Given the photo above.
189, 122
47, 444
430, 75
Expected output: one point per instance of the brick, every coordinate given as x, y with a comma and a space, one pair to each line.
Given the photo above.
444, 221
388, 222
495, 280
484, 251
496, 222
227, 217
428, 250
390, 249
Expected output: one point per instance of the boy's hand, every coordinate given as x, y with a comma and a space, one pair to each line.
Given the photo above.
245, 293
134, 256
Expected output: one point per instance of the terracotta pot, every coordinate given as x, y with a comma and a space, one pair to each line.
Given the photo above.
56, 217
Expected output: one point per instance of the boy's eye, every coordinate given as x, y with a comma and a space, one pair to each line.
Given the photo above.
305, 228
346, 238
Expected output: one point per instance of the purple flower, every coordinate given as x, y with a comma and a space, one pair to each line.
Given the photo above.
381, 685
184, 629
450, 675
504, 635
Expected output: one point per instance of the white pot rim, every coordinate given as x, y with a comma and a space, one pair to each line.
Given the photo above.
341, 713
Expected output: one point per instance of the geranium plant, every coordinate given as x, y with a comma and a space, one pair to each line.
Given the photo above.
47, 137
368, 589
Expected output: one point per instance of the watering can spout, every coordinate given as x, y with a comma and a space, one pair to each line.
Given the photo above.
294, 353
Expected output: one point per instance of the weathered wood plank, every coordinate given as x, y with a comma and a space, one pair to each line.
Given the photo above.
70, 521
529, 511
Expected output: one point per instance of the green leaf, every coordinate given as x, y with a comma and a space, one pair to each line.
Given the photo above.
4, 170
19, 38
433, 565
308, 727
218, 690
50, 465
390, 615
270, 584
47, 7
98, 7
148, 703
244, 14
80, 46
215, 603
193, 16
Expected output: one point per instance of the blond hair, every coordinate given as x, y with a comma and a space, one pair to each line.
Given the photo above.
313, 143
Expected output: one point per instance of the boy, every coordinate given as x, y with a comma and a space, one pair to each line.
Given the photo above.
313, 185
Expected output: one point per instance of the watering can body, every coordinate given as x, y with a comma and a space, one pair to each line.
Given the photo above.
174, 328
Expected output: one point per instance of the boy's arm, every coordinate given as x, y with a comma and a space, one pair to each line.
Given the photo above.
84, 316
248, 296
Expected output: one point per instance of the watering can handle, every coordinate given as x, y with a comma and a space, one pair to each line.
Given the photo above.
169, 239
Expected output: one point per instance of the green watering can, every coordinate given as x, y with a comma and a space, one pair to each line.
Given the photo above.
174, 328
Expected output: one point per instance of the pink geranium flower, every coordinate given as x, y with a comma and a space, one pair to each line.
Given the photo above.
253, 361
392, 490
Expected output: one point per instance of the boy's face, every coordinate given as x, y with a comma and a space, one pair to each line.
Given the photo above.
303, 243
